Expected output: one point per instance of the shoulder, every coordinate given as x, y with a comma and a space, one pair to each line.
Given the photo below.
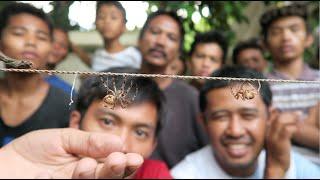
153, 169
57, 96
190, 165
132, 52
132, 49
304, 168
99, 52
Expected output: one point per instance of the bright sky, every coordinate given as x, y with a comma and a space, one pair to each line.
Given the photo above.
83, 12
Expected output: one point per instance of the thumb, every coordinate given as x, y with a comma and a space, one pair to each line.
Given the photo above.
93, 145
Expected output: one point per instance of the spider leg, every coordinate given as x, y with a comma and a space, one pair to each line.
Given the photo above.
135, 95
123, 103
123, 83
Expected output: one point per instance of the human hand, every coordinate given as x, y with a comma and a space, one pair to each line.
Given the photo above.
67, 153
281, 127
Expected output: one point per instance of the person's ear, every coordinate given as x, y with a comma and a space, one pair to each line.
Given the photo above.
201, 119
272, 114
75, 119
154, 145
309, 40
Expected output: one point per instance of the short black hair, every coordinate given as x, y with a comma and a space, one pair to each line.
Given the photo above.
117, 4
14, 8
93, 89
235, 72
211, 37
272, 15
241, 46
171, 14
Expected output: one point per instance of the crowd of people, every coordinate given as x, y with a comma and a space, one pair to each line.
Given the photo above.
171, 128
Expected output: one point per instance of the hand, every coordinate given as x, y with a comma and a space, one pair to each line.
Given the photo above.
281, 127
67, 153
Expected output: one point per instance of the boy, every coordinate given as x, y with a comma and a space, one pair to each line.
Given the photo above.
110, 22
286, 35
27, 101
138, 125
208, 53
250, 54
60, 49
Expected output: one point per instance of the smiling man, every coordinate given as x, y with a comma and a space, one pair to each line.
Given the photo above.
248, 138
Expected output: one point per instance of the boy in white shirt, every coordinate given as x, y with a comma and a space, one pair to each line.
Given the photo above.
111, 24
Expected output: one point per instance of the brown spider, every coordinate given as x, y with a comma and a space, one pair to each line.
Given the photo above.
19, 64
246, 94
118, 96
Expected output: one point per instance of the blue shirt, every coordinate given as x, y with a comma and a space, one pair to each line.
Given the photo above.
57, 82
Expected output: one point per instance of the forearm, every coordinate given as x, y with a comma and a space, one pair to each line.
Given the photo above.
81, 54
308, 136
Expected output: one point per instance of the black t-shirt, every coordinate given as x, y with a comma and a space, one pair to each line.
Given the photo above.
53, 113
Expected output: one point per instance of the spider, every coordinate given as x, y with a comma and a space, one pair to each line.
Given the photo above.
118, 96
19, 64
246, 94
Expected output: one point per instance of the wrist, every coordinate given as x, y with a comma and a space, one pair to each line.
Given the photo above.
13, 165
274, 172
274, 169
5, 163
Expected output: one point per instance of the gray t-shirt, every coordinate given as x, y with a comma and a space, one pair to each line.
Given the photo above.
182, 134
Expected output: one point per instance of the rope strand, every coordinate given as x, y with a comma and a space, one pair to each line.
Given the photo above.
154, 75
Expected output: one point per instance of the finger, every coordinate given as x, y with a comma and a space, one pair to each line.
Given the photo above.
114, 166
134, 162
94, 145
288, 131
85, 169
282, 120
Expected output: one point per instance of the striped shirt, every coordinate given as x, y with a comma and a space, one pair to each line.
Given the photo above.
295, 96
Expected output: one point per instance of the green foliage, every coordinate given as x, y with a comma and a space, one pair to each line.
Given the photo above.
60, 15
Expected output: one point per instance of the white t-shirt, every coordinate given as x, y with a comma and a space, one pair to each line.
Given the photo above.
203, 165
129, 57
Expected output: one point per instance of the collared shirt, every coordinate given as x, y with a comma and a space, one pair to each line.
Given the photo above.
203, 165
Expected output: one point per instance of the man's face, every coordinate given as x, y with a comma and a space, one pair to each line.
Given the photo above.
287, 38
110, 22
236, 128
252, 58
136, 125
160, 42
206, 58
26, 37
60, 47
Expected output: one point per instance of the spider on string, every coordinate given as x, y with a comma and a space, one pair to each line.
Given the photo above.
245, 90
118, 96
19, 64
